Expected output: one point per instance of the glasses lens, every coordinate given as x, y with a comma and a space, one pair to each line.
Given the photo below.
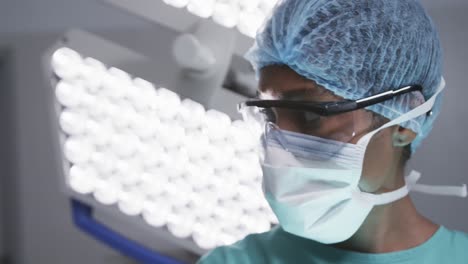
339, 127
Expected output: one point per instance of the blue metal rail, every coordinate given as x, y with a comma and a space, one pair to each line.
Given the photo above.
83, 219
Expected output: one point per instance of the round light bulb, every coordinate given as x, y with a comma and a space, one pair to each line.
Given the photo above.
247, 198
156, 213
197, 147
249, 5
82, 179
216, 125
124, 145
177, 3
217, 117
184, 189
145, 87
241, 137
121, 76
230, 183
143, 127
72, 122
130, 203
199, 207
250, 22
178, 159
204, 237
65, 63
69, 94
220, 158
262, 223
244, 169
98, 110
179, 225
170, 136
127, 172
267, 5
226, 14
98, 133
247, 221
113, 86
77, 150
124, 118
88, 101
143, 96
145, 185
152, 155
225, 239
103, 162
153, 184
233, 205
140, 101
107, 192
191, 113
192, 175
93, 72
201, 8
168, 104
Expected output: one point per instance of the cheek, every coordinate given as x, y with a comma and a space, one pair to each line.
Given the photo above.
377, 162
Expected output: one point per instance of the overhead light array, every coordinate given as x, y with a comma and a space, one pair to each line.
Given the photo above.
157, 156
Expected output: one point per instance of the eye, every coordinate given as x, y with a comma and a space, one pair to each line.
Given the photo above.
311, 120
310, 117
269, 114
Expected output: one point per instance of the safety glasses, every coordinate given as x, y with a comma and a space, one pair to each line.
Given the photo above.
331, 120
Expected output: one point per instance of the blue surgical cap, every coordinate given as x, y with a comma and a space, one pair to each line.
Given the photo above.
356, 49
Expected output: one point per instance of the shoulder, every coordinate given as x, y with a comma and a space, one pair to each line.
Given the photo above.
252, 249
457, 237
455, 245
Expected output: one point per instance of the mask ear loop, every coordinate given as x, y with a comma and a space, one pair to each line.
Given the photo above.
418, 111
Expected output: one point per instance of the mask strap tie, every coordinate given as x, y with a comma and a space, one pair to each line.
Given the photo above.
412, 185
459, 191
384, 198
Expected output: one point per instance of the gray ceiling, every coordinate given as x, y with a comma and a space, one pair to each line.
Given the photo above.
57, 15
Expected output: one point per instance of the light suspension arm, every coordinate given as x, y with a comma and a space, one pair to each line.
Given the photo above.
83, 219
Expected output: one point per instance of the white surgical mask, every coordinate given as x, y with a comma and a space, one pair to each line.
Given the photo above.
312, 183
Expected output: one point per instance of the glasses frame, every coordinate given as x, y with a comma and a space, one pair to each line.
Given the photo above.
331, 108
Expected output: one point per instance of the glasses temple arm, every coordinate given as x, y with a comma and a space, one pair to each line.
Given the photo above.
378, 98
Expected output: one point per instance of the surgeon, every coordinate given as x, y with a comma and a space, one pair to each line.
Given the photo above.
348, 90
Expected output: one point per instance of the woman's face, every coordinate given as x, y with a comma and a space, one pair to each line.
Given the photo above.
381, 159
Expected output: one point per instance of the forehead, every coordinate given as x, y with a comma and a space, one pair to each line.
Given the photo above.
280, 81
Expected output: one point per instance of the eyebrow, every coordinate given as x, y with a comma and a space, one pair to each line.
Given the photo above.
298, 94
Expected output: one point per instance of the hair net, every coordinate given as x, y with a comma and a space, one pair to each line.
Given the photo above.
356, 49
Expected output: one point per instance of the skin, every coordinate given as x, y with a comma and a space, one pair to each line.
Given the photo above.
391, 227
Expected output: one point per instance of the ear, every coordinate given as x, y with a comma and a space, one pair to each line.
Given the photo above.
403, 136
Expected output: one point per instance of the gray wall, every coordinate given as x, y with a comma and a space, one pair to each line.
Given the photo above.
443, 158
39, 228
30, 16
5, 161
3, 169
36, 216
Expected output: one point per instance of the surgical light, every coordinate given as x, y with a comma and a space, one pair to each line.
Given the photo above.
156, 156
246, 15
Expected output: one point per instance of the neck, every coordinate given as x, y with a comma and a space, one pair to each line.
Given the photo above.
393, 227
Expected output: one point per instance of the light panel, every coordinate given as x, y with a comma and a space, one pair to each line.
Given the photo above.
246, 15
157, 156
